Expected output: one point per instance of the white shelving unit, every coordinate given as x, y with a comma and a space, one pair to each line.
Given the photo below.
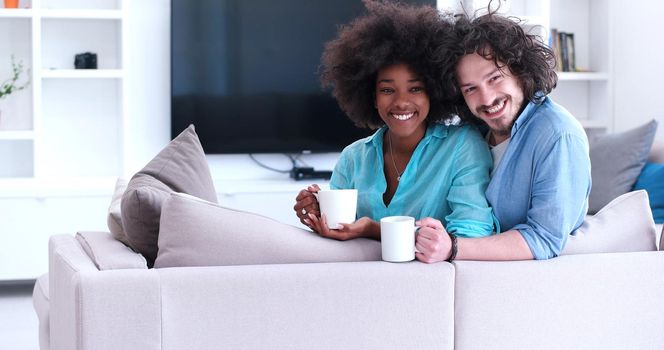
54, 133
64, 107
587, 94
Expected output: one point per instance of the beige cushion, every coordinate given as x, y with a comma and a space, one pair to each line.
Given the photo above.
194, 232
180, 167
114, 218
623, 225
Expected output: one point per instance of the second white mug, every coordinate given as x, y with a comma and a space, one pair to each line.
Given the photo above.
397, 238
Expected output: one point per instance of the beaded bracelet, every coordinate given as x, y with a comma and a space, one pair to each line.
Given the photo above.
454, 248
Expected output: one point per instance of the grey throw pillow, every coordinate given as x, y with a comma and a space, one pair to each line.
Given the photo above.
616, 161
194, 232
180, 167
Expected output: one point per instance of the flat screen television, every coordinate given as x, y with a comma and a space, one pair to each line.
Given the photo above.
245, 73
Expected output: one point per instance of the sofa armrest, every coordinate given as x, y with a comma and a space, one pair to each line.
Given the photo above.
107, 253
351, 305
586, 301
66, 260
41, 304
93, 309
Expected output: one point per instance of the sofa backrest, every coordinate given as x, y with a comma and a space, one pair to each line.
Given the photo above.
358, 305
587, 301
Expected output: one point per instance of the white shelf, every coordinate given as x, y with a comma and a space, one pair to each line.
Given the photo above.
582, 76
56, 187
16, 13
81, 14
17, 135
82, 73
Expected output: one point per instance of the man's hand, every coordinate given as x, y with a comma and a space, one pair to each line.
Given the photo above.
432, 242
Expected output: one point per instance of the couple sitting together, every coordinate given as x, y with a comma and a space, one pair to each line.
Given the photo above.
429, 82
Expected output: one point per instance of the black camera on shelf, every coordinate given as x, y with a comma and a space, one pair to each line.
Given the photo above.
86, 60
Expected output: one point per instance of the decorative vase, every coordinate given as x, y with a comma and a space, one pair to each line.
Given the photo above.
11, 4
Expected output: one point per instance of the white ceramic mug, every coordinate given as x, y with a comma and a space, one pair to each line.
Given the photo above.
397, 238
339, 206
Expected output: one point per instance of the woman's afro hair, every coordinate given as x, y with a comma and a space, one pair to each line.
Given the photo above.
390, 33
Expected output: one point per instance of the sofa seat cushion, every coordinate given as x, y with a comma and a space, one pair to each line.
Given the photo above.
623, 225
195, 232
180, 167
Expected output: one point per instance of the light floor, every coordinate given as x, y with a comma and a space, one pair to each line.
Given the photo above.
18, 321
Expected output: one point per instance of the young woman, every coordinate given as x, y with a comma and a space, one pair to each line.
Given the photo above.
384, 69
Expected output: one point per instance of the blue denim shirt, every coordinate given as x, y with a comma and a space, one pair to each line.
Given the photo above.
541, 185
446, 179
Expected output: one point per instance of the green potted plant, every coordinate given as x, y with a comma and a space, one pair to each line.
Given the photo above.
11, 85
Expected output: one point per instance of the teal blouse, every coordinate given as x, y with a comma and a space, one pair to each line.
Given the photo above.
445, 178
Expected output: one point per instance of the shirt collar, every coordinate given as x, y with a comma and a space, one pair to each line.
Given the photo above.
377, 138
527, 113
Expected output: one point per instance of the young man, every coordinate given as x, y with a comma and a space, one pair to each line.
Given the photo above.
541, 176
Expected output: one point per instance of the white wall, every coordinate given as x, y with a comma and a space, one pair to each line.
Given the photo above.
638, 70
639, 67
148, 80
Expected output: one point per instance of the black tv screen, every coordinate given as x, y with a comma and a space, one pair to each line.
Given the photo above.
245, 73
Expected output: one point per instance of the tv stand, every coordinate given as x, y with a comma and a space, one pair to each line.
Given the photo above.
298, 173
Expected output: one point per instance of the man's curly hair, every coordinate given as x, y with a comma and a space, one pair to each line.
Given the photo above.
504, 41
390, 33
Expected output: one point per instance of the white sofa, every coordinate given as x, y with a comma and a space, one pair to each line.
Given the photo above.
99, 294
589, 301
